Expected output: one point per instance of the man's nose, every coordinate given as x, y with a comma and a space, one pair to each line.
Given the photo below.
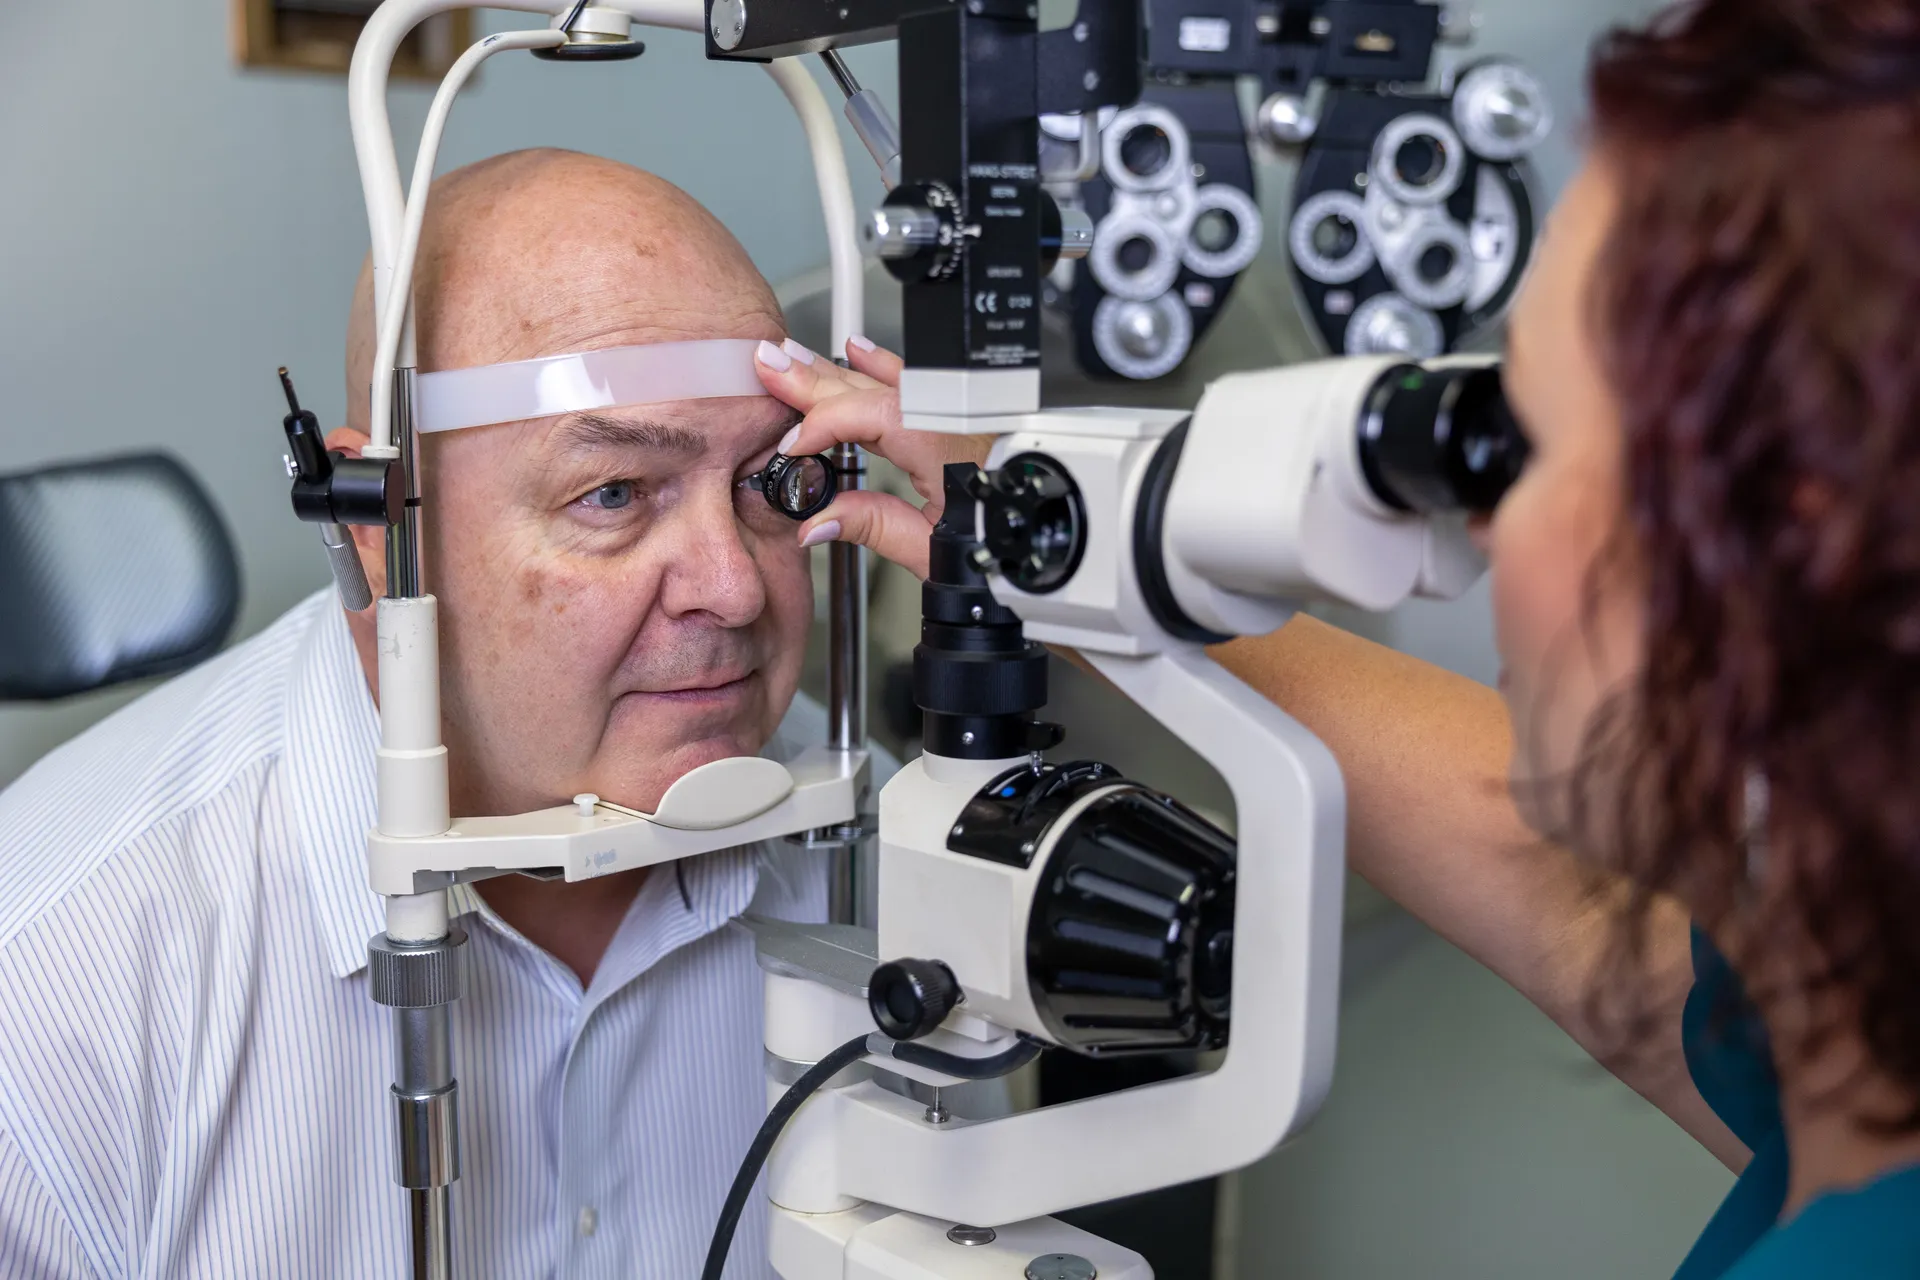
712, 572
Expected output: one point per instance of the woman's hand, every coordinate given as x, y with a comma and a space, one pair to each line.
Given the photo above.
861, 406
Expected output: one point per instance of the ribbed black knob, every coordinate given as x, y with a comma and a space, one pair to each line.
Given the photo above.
909, 998
1130, 938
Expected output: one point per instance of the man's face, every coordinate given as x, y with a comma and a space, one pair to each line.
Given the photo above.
617, 608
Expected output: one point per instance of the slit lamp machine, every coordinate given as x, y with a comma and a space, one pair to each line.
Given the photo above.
1024, 906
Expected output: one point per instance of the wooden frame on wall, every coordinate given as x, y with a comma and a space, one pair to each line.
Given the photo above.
318, 35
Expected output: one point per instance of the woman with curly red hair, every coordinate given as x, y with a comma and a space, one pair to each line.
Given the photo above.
1691, 831
1707, 594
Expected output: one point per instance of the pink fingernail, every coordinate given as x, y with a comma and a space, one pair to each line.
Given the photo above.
861, 341
787, 441
797, 351
772, 357
821, 533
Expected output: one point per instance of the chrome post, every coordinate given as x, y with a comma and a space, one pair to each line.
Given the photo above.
846, 681
404, 573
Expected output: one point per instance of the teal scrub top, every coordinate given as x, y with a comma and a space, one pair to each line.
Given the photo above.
1869, 1233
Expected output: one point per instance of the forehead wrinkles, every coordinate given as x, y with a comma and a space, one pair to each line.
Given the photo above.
686, 431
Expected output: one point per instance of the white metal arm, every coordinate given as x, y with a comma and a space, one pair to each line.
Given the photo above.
388, 210
1291, 816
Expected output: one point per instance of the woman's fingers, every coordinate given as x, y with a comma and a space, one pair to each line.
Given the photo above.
877, 363
854, 415
802, 379
889, 526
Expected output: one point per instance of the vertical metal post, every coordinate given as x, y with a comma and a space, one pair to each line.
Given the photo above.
432, 1234
419, 981
414, 967
404, 572
846, 680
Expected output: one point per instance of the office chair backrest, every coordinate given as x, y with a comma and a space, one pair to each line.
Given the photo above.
110, 570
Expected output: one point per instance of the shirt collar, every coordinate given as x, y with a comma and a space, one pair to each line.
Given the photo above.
332, 733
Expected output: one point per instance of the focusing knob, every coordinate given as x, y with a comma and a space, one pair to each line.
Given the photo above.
916, 232
909, 998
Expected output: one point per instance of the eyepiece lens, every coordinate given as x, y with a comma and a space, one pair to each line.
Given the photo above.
1440, 440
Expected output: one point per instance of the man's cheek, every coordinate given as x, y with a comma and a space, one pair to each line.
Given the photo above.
568, 616
787, 573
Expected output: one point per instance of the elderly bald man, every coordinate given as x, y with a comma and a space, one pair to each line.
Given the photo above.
191, 1070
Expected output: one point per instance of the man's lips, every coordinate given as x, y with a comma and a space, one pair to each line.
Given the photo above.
716, 687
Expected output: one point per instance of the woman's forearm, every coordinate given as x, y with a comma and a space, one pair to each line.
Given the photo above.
1432, 825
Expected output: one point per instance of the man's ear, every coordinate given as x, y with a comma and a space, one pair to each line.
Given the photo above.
370, 539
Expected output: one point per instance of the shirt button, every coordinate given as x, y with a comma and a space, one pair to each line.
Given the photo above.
587, 1221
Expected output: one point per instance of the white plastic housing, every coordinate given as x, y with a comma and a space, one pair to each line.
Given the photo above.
872, 1243
1106, 451
1269, 501
1291, 814
965, 911
412, 763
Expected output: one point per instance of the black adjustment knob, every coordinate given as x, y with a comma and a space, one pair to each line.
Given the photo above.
909, 998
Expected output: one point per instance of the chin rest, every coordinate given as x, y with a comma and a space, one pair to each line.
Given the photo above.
112, 570
720, 793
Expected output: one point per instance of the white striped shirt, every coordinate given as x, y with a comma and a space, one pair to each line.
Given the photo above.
193, 1079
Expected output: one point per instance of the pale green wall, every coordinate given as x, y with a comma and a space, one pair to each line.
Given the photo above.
173, 227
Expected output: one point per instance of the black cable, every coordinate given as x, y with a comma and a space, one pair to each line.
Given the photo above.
807, 1085
952, 1064
803, 1088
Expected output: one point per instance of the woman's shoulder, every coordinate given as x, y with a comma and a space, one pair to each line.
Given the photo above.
1869, 1233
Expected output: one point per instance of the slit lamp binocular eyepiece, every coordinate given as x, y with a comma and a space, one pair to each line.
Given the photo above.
1434, 440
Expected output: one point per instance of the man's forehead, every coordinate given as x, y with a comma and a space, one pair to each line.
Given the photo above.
500, 332
688, 428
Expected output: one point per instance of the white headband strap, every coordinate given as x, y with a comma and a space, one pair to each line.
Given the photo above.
649, 374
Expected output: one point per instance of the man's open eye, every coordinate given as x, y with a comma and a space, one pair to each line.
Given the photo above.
611, 497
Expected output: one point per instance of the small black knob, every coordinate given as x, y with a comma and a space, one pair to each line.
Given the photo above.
909, 998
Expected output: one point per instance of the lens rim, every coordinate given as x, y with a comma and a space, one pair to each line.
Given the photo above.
1414, 437
770, 480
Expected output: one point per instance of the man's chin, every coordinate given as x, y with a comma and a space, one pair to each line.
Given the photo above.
638, 776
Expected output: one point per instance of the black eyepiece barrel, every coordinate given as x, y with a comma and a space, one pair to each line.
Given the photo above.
1434, 440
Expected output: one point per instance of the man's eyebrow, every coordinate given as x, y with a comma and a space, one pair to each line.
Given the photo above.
779, 428
590, 431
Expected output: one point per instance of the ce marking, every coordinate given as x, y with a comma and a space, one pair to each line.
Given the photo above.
987, 303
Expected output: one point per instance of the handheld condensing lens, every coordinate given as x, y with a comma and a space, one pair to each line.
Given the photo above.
797, 487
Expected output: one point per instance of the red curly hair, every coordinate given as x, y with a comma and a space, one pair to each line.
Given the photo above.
1758, 309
